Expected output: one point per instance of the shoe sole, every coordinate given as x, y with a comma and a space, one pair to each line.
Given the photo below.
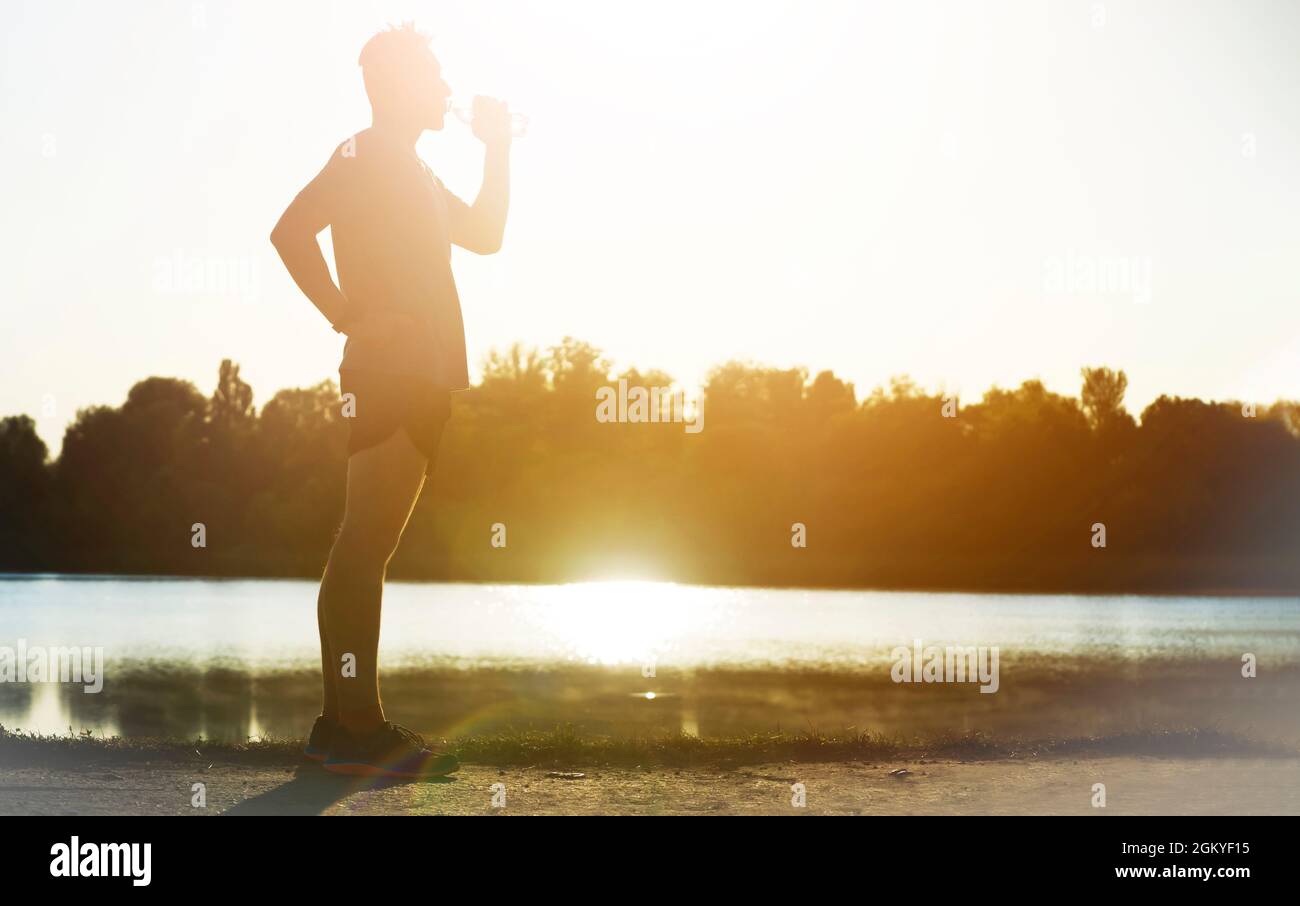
315, 755
361, 769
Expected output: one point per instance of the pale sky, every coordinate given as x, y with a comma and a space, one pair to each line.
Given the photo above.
875, 188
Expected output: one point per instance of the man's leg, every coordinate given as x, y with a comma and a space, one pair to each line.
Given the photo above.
330, 709
384, 482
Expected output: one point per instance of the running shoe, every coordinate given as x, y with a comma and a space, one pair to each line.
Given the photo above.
391, 750
322, 734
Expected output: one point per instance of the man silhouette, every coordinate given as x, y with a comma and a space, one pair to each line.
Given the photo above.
392, 223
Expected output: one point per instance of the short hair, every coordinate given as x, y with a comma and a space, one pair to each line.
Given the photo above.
389, 55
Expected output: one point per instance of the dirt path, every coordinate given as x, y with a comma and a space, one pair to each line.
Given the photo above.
1134, 785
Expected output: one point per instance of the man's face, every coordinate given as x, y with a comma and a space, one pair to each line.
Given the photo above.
431, 92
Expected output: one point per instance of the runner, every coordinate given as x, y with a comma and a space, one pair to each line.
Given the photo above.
393, 223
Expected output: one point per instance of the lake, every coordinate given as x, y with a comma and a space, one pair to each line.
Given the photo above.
229, 658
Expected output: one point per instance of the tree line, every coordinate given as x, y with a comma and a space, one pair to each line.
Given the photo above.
902, 488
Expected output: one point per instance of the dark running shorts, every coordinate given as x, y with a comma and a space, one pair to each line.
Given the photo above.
387, 403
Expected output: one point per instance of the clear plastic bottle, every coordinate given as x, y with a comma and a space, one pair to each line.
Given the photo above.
465, 113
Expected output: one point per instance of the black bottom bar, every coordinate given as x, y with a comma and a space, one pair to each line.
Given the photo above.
946, 854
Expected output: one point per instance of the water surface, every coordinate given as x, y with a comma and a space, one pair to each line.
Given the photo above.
209, 656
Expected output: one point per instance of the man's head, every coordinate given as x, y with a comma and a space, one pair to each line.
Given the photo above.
403, 78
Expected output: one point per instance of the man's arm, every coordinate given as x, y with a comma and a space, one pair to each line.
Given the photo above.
481, 227
294, 237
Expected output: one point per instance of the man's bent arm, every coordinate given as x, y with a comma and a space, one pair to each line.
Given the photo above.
294, 237
483, 230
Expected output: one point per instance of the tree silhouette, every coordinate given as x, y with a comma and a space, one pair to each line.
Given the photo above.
897, 489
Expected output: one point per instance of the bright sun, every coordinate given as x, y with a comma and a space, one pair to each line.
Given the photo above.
625, 622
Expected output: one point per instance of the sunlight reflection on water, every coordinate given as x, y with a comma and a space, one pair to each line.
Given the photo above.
232, 634
273, 622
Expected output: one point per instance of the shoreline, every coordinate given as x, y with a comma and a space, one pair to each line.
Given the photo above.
1155, 591
564, 746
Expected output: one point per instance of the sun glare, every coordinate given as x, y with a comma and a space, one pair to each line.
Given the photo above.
620, 622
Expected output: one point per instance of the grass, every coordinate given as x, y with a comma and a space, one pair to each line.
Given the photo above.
564, 746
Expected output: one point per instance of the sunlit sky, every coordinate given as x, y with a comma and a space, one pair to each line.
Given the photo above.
872, 188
